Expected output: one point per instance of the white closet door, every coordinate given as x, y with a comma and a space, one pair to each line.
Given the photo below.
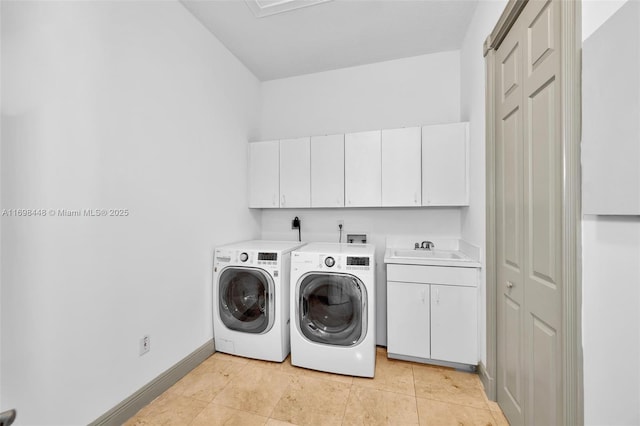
327, 171
264, 174
401, 167
295, 172
362, 169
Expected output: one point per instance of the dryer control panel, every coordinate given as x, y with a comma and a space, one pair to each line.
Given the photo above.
267, 258
343, 262
358, 263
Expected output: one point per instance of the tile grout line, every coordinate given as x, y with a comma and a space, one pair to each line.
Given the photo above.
346, 406
455, 403
199, 412
291, 377
231, 378
385, 390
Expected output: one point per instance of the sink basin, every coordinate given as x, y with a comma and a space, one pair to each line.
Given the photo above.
426, 254
429, 257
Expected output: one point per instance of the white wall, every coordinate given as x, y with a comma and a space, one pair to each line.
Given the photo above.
610, 297
129, 105
472, 109
596, 12
611, 320
406, 92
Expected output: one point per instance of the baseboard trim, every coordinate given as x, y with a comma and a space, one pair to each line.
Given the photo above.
487, 382
131, 405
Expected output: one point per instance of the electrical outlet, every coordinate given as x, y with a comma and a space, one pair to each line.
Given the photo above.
145, 345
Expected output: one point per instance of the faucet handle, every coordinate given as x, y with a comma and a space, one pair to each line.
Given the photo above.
417, 246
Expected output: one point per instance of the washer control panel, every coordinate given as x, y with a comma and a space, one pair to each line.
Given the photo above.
246, 257
344, 262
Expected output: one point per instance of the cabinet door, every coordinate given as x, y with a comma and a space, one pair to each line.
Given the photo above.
327, 171
408, 319
362, 169
454, 324
401, 168
445, 180
295, 172
264, 174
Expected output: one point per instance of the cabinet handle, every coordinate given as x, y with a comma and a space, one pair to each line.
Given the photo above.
415, 197
273, 199
509, 284
283, 200
437, 296
423, 295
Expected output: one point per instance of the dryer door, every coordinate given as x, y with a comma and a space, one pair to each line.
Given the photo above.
246, 299
332, 308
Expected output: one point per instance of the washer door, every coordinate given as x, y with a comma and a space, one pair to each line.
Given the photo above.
332, 308
246, 299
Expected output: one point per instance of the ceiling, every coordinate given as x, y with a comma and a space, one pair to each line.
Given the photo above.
334, 34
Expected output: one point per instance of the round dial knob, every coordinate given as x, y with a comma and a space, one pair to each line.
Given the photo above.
329, 261
244, 257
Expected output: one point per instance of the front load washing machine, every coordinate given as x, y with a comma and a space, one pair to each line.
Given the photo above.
251, 299
333, 308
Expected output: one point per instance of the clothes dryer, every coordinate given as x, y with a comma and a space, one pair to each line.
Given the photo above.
333, 308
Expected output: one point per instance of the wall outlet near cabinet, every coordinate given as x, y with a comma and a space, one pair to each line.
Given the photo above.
145, 345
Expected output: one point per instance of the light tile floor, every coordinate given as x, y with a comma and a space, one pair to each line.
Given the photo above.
229, 390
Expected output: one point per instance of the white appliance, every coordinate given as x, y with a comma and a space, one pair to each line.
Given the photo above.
251, 299
333, 308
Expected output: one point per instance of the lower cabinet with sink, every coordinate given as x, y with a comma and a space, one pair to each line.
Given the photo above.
432, 313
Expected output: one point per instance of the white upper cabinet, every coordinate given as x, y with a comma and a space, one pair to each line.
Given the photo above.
295, 173
445, 180
264, 172
401, 168
327, 171
407, 167
362, 169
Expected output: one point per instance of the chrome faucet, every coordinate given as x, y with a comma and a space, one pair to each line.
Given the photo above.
426, 245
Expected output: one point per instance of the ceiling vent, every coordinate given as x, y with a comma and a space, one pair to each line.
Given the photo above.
262, 8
